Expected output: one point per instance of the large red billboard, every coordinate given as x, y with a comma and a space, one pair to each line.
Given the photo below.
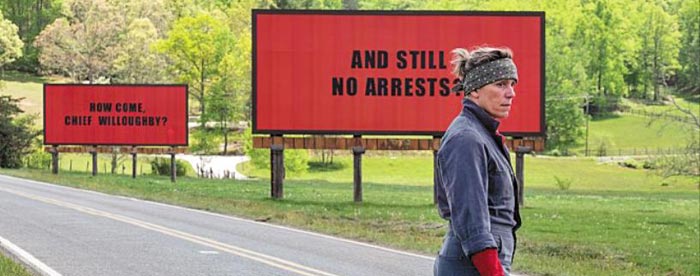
378, 72
77, 114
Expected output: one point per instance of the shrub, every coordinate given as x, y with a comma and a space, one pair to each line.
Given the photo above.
602, 149
205, 142
320, 166
259, 158
649, 164
563, 184
295, 160
161, 166
17, 133
630, 163
38, 160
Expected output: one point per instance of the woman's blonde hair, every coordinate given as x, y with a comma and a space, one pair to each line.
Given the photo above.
463, 60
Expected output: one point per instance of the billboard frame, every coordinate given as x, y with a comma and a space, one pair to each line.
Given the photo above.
187, 130
276, 132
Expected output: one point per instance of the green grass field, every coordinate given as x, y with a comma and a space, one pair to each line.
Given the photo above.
691, 103
610, 221
10, 268
416, 169
635, 135
421, 175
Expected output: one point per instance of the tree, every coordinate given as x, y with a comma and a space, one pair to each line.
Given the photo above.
236, 66
221, 110
230, 92
182, 8
135, 61
567, 83
16, 133
83, 44
388, 5
689, 54
659, 47
309, 4
30, 16
156, 11
605, 33
195, 46
10, 44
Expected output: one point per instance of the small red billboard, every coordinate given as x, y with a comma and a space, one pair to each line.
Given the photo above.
150, 115
379, 72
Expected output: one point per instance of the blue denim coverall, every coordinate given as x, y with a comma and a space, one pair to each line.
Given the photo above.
476, 193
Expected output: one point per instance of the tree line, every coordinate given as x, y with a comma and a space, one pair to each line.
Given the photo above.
597, 51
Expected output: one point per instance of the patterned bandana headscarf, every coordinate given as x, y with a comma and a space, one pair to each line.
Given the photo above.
486, 73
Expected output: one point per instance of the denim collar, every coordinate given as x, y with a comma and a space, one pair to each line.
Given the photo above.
489, 122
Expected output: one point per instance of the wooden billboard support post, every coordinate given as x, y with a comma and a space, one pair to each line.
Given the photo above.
520, 151
173, 166
277, 167
133, 162
93, 152
357, 152
435, 145
54, 159
435, 176
277, 171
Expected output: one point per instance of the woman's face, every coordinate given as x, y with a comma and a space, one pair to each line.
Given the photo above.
496, 98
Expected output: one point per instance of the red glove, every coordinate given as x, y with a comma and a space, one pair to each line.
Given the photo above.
487, 263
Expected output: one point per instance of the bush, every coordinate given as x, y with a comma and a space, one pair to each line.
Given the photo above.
296, 161
630, 163
602, 149
17, 133
649, 165
563, 184
320, 166
260, 158
38, 160
161, 166
205, 142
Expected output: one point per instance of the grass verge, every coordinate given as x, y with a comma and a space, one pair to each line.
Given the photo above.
9, 267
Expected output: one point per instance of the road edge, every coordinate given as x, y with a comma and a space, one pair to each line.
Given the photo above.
31, 263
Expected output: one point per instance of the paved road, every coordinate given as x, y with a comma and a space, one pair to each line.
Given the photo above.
76, 232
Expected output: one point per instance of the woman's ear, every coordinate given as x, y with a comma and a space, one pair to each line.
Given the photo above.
475, 93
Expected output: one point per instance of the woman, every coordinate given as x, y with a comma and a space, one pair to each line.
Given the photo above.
477, 188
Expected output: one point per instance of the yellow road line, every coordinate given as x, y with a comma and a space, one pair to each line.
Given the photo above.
238, 251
